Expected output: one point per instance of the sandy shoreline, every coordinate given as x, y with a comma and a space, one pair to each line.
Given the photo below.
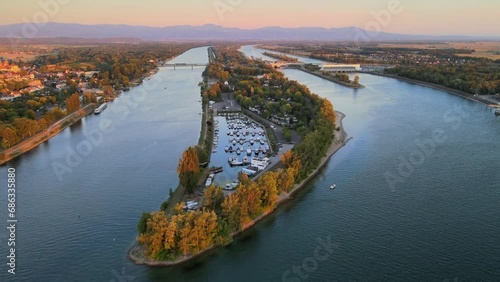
136, 252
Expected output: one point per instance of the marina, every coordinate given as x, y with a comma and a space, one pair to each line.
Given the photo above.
246, 149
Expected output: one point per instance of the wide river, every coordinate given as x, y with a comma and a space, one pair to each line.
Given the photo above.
417, 198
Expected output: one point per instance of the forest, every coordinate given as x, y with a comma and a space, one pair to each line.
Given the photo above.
479, 78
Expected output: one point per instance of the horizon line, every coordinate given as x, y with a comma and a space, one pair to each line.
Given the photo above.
497, 36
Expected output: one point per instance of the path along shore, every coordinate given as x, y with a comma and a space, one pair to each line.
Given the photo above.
45, 135
136, 253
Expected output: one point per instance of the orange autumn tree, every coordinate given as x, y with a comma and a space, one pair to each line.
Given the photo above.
73, 103
286, 158
292, 163
189, 169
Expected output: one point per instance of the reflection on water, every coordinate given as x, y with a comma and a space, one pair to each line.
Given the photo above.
440, 223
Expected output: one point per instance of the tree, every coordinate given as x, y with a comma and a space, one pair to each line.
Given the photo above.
268, 190
287, 158
142, 226
154, 236
108, 91
73, 103
231, 211
9, 137
189, 169
287, 134
356, 80
22, 127
327, 112
171, 232
213, 197
43, 123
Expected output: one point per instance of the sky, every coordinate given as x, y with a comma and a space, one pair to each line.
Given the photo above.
429, 17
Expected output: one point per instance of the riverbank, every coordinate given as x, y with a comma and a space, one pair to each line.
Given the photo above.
332, 79
437, 87
137, 253
45, 135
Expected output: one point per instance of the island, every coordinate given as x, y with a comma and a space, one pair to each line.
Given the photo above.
183, 228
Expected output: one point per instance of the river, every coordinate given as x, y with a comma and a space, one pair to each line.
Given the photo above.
440, 222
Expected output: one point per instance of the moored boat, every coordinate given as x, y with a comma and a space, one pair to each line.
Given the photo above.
100, 108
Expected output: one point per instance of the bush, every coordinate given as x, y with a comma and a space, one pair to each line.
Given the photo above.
142, 226
164, 206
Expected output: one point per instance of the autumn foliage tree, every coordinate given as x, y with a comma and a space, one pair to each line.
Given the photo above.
186, 233
189, 169
213, 197
9, 137
327, 111
73, 103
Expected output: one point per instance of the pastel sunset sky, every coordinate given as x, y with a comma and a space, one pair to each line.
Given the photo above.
433, 17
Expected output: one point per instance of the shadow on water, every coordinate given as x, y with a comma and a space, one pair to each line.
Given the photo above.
76, 127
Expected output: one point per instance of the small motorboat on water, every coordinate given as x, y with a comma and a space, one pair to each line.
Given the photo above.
236, 162
333, 186
497, 112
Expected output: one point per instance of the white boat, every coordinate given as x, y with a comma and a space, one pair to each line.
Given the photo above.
100, 108
497, 112
249, 152
231, 186
226, 149
248, 172
236, 162
333, 186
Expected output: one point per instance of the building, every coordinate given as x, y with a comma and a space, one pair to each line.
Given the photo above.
338, 68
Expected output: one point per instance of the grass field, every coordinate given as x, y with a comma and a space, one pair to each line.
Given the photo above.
486, 49
16, 56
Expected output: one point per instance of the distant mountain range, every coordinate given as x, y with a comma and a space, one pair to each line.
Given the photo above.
212, 32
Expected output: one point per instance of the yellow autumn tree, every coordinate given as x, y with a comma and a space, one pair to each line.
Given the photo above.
153, 237
231, 211
285, 180
328, 112
213, 197
268, 190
